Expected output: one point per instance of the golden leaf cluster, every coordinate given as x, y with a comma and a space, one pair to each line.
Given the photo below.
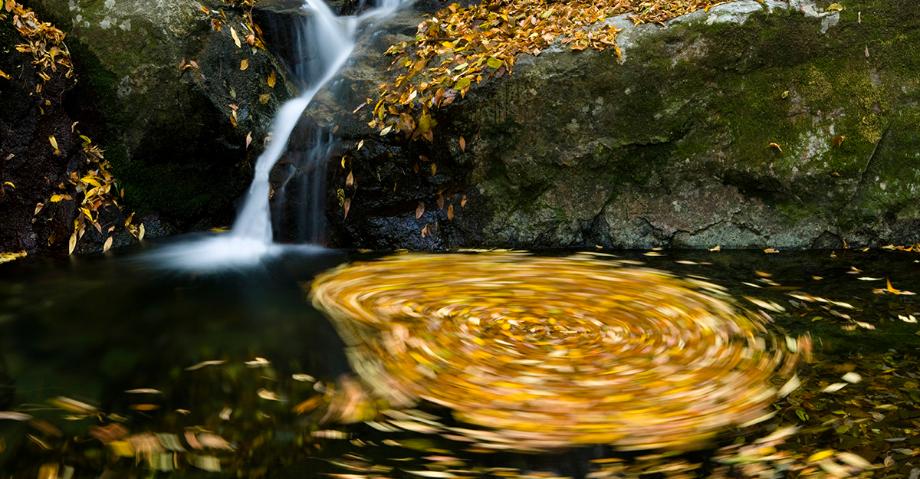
96, 189
43, 41
543, 353
91, 183
253, 35
461, 46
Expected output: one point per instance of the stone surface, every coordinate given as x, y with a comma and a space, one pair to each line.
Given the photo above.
167, 130
670, 148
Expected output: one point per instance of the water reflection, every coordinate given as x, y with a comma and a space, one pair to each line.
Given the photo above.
120, 340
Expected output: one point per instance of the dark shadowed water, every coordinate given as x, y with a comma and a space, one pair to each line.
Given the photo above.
106, 360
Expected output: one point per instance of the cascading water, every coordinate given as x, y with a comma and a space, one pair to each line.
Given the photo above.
299, 202
331, 41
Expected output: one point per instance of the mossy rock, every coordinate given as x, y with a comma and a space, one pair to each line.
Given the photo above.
755, 124
160, 83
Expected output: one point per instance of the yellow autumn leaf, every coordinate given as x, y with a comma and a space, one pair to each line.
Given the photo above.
271, 80
56, 198
72, 244
5, 76
7, 257
244, 64
834, 7
107, 245
236, 38
91, 181
54, 145
821, 455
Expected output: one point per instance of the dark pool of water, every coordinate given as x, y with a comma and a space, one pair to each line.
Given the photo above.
91, 329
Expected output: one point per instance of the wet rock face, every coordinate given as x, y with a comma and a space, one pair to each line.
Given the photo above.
163, 88
751, 125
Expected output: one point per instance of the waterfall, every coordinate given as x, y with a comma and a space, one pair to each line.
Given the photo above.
326, 42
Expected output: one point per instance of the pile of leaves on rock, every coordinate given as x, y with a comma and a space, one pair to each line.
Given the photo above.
462, 46
48, 168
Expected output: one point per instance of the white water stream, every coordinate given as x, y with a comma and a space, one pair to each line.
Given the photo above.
331, 40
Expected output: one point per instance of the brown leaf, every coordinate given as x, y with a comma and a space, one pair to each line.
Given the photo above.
350, 179
450, 212
346, 205
419, 210
462, 144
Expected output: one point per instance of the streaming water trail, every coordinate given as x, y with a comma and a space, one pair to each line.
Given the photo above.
327, 42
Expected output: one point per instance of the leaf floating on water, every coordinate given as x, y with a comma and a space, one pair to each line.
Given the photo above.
791, 385
205, 463
267, 395
716, 248
204, 364
853, 460
889, 289
308, 405
433, 474
72, 405
768, 305
834, 387
771, 251
144, 391
14, 416
258, 362
852, 378
207, 440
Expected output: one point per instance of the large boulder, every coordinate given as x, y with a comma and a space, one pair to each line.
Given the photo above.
753, 124
176, 94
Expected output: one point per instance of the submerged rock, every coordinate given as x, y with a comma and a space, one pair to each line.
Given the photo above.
174, 89
754, 124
